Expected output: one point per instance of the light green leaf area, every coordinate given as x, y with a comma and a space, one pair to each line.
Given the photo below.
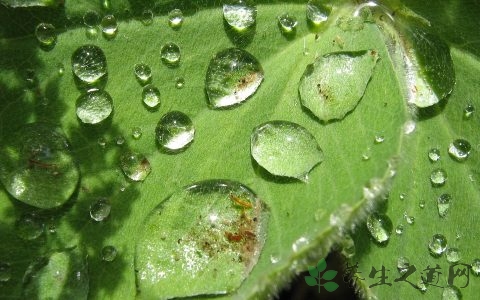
305, 217
459, 226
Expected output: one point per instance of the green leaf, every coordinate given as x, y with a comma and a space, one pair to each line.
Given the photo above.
330, 286
329, 275
311, 281
313, 271
321, 265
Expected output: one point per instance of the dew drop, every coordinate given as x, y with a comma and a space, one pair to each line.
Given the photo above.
380, 227
120, 140
233, 75
109, 26
100, 209
422, 287
170, 54
402, 196
438, 177
379, 139
348, 247
468, 111
60, 69
29, 227
409, 127
274, 259
92, 33
399, 229
109, 253
143, 73
285, 149
409, 219
287, 23
136, 132
459, 149
106, 5
94, 106
437, 245
5, 272
443, 204
179, 82
175, 18
37, 167
300, 244
91, 19
205, 226
240, 14
421, 204
174, 131
451, 292
403, 264
89, 63
147, 17
453, 255
434, 155
46, 34
135, 166
102, 142
151, 96
334, 84
317, 12
476, 266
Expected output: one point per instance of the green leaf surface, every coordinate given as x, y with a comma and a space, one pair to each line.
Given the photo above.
330, 286
313, 271
311, 281
329, 275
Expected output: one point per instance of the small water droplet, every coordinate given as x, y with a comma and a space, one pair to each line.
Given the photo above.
60, 69
468, 111
136, 132
174, 131
379, 139
437, 245
109, 26
438, 177
409, 127
120, 140
106, 4
29, 227
143, 73
451, 292
421, 204
147, 17
175, 18
100, 210
453, 255
403, 264
91, 19
409, 219
233, 75
5, 272
300, 244
476, 266
109, 253
46, 34
89, 63
348, 247
403, 196
287, 23
399, 229
459, 149
317, 12
434, 155
274, 259
443, 204
285, 149
240, 14
135, 166
179, 82
170, 54
380, 227
151, 96
94, 106
422, 287
102, 142
92, 33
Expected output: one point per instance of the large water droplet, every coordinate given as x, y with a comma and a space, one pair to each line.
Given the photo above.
89, 63
94, 106
46, 35
317, 12
403, 264
143, 73
109, 26
437, 245
453, 255
240, 14
233, 75
212, 229
170, 54
29, 227
434, 155
468, 111
109, 253
380, 227
476, 266
459, 149
36, 166
451, 292
91, 18
285, 149
287, 23
174, 131
100, 209
5, 272
334, 84
135, 166
438, 177
175, 18
151, 96
147, 17
443, 204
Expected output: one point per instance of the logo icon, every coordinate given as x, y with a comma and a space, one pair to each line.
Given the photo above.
316, 277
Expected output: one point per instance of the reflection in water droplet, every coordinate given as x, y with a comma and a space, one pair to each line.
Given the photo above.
399, 229
179, 82
437, 245
459, 149
468, 111
403, 264
233, 75
451, 292
37, 167
147, 17
434, 155
317, 12
143, 73
100, 210
89, 63
91, 19
151, 96
453, 255
5, 272
174, 131
46, 34
109, 253
285, 149
287, 23
240, 14
443, 204
226, 225
438, 177
170, 54
135, 166
476, 266
380, 227
109, 26
175, 18
28, 227
94, 106
136, 132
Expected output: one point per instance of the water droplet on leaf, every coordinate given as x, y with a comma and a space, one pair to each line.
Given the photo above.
285, 149
60, 69
334, 84
29, 227
136, 132
451, 292
91, 18
174, 131
421, 204
175, 18
434, 155
109, 253
89, 63
120, 140
100, 209
459, 149
399, 229
317, 12
240, 14
437, 245
287, 23
94, 106
143, 73
151, 96
46, 34
109, 26
102, 142
422, 287
170, 54
179, 82
438, 177
135, 166
468, 111
403, 264
348, 247
453, 255
5, 272
379, 139
380, 227
443, 204
476, 266
147, 17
